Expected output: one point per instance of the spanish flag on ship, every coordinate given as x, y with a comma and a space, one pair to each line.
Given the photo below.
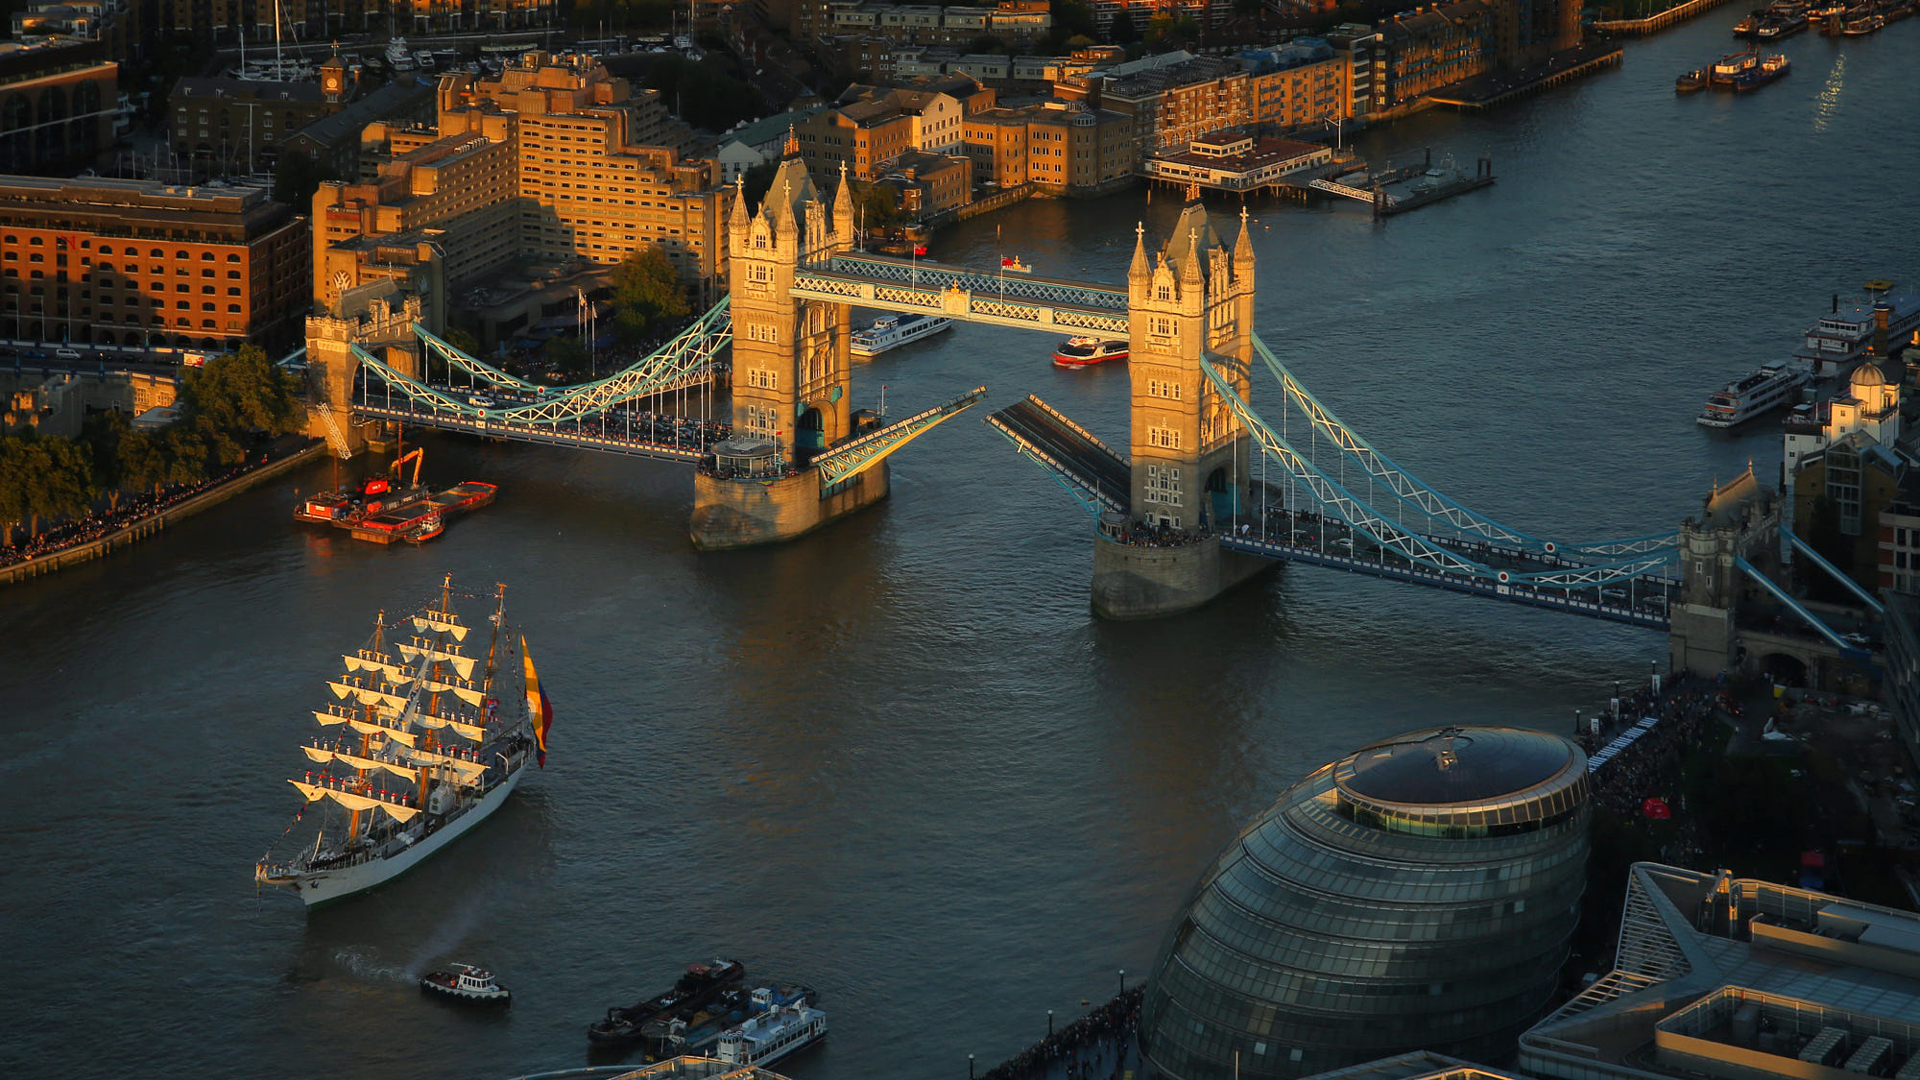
539, 709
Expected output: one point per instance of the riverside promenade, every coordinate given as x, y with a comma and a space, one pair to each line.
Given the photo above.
210, 493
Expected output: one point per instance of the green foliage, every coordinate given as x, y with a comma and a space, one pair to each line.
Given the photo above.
237, 396
1080, 41
647, 292
1122, 31
1072, 17
987, 43
103, 433
569, 354
878, 206
758, 181
297, 176
462, 338
42, 477
700, 94
1159, 29
1188, 28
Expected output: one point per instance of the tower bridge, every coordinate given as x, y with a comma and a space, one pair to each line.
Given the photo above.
1207, 492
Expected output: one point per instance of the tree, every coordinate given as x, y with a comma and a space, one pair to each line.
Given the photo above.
236, 397
569, 354
42, 477
1188, 28
1072, 17
879, 206
103, 433
14, 465
298, 175
1080, 41
987, 43
461, 338
702, 95
758, 181
1122, 31
647, 292
143, 461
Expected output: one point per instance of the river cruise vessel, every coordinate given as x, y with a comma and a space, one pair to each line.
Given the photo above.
893, 331
1847, 332
1772, 387
1082, 351
778, 1030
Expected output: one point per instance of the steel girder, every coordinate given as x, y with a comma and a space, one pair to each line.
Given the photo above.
1047, 291
471, 365
685, 360
932, 298
863, 453
1361, 517
1423, 497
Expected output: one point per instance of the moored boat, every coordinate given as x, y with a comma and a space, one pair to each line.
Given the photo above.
425, 529
893, 331
1769, 388
1082, 351
1691, 82
1731, 65
1773, 67
1747, 25
1775, 27
698, 985
773, 1034
430, 741
467, 983
1852, 328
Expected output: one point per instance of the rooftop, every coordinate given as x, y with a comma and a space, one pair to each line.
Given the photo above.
1456, 765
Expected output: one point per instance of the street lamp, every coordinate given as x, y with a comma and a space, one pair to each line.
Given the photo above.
969, 1067
1123, 981
1049, 1023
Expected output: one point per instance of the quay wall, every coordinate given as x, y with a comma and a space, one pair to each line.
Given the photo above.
1659, 21
156, 522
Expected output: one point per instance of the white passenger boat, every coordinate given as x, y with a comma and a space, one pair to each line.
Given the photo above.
1773, 386
1845, 335
774, 1032
1081, 351
468, 983
893, 331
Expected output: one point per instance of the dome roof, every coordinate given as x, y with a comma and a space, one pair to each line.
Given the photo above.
1869, 375
1418, 893
1451, 765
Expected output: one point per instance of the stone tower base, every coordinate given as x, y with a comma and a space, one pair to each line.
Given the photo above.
1131, 582
743, 513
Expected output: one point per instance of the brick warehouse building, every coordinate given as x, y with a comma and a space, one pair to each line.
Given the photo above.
57, 100
140, 264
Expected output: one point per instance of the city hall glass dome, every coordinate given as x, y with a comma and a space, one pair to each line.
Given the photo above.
1418, 894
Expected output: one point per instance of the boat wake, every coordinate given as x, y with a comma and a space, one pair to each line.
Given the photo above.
364, 965
445, 938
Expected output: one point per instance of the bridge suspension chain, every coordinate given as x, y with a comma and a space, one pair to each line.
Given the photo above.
1362, 518
687, 359
1424, 498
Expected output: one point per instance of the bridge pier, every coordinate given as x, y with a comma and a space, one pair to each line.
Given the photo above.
1135, 582
736, 513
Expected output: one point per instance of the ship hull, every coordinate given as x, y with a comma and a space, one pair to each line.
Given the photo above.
327, 886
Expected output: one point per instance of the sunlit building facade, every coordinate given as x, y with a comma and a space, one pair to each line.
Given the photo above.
1417, 894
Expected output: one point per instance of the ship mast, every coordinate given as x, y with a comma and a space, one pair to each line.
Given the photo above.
360, 774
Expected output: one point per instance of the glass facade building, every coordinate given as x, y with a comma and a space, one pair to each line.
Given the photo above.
1416, 895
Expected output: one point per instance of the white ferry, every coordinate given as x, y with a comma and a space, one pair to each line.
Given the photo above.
893, 331
775, 1032
1081, 351
1774, 385
1845, 335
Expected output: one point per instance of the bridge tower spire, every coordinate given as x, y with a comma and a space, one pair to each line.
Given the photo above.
1194, 299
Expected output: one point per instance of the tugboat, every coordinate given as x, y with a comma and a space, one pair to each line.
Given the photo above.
467, 983
701, 984
1082, 351
1692, 82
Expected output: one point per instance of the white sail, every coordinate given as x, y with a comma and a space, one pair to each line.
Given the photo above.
464, 730
469, 771
328, 718
368, 728
367, 695
351, 801
472, 695
324, 755
392, 672
461, 664
446, 622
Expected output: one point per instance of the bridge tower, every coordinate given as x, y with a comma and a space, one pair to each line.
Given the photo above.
791, 376
1739, 519
1194, 298
378, 324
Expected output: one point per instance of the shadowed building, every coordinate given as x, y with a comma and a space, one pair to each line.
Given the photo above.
1417, 894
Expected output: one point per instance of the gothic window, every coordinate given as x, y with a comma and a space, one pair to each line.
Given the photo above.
1163, 485
1164, 292
1161, 327
1163, 388
1163, 438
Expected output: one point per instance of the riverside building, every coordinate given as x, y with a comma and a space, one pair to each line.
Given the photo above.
140, 264
1417, 894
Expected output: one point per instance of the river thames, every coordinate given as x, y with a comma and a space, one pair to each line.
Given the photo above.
899, 760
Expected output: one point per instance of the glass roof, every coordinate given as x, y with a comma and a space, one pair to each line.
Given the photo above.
1455, 765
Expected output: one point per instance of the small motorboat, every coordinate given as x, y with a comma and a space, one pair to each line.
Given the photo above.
468, 983
424, 530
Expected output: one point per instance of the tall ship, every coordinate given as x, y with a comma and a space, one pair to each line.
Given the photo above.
421, 743
893, 331
1773, 386
1851, 329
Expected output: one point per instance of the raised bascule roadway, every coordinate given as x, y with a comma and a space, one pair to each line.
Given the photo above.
1209, 490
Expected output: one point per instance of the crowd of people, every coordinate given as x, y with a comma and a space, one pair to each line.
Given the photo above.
1093, 1047
100, 523
1645, 767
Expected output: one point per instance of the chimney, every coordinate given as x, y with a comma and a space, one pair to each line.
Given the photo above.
1881, 310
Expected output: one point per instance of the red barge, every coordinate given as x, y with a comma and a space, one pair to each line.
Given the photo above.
422, 520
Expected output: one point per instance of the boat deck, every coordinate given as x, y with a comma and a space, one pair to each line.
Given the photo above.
390, 525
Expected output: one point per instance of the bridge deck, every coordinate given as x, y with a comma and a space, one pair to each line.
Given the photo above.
661, 445
1002, 299
1068, 450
